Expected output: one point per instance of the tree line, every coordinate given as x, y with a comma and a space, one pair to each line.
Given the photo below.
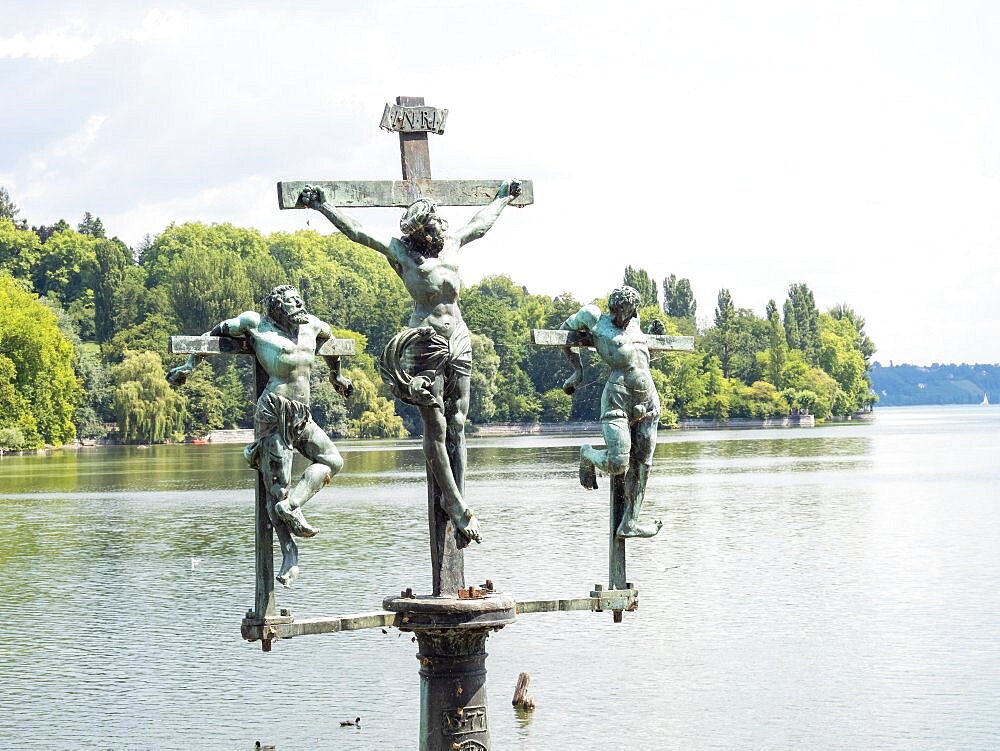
85, 321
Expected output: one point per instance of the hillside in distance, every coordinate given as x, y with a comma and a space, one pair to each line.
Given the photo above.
903, 385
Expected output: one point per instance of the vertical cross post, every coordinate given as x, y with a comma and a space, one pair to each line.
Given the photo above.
414, 147
621, 594
447, 560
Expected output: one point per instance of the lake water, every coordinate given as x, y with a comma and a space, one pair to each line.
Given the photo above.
826, 588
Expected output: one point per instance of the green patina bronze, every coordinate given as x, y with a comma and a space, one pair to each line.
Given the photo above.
285, 341
630, 409
630, 405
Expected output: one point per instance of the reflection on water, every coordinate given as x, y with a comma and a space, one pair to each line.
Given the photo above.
833, 587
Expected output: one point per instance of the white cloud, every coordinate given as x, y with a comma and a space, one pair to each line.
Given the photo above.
76, 144
62, 44
158, 24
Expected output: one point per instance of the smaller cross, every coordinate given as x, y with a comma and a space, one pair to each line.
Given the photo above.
620, 595
264, 614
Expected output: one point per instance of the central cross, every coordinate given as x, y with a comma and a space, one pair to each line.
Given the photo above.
430, 274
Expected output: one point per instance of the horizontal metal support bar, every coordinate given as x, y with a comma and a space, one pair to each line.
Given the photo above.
564, 338
215, 345
400, 193
552, 606
286, 628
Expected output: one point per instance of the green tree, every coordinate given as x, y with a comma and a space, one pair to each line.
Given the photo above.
723, 343
495, 308
19, 250
678, 299
39, 390
45, 231
516, 399
801, 376
95, 408
802, 322
8, 209
205, 404
207, 286
557, 406
840, 356
118, 289
233, 379
152, 335
66, 266
147, 409
865, 345
91, 225
777, 345
642, 282
483, 386
370, 413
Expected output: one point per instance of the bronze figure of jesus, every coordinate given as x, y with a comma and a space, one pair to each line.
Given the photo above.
425, 256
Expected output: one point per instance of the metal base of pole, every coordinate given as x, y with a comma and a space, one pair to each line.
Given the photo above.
451, 633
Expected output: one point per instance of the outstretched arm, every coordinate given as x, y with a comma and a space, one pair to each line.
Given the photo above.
486, 216
583, 320
314, 198
341, 383
233, 327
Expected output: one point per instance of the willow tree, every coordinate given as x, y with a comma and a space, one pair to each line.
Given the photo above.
148, 410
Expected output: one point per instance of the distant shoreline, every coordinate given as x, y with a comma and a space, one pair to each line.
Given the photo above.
500, 430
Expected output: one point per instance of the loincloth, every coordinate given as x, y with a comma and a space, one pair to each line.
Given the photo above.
619, 402
416, 356
280, 416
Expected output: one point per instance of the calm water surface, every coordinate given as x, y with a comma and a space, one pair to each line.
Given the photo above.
826, 588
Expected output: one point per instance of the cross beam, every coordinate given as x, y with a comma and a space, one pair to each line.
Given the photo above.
264, 615
400, 193
620, 595
563, 338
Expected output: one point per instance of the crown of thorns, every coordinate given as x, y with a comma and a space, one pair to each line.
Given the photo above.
418, 213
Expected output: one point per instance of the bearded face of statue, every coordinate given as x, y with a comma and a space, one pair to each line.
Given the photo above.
423, 229
289, 308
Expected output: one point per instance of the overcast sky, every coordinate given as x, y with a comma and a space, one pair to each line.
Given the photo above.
749, 145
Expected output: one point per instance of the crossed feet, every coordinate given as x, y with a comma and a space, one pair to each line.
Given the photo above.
631, 528
294, 518
628, 527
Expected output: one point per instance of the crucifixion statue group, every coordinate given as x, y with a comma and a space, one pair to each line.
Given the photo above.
429, 365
